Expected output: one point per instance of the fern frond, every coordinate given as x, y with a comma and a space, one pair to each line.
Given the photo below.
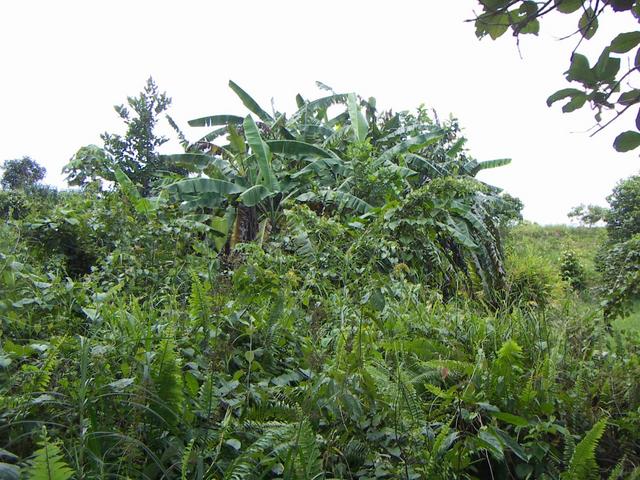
583, 461
48, 462
186, 456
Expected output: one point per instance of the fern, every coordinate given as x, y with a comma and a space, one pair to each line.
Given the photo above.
309, 462
186, 456
583, 462
167, 379
48, 462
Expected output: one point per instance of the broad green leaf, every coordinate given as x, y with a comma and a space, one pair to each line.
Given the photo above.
607, 67
127, 185
630, 97
262, 153
580, 71
491, 443
625, 42
531, 27
564, 93
588, 23
205, 185
294, 147
214, 120
250, 103
254, 195
358, 122
568, 6
627, 141
575, 103
511, 443
511, 418
493, 24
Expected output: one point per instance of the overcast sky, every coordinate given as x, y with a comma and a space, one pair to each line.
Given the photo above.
66, 63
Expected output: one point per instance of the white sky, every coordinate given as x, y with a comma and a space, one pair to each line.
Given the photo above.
66, 63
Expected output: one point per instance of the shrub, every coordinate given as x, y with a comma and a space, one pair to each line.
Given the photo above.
623, 220
572, 271
531, 280
620, 267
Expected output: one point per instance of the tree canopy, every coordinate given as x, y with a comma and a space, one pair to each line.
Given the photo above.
21, 173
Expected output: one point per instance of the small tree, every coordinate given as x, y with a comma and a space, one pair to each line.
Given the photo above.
135, 153
21, 173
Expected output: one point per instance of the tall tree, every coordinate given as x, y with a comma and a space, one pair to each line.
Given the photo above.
604, 85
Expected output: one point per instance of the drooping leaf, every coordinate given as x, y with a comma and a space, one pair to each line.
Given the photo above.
214, 120
294, 147
254, 195
205, 185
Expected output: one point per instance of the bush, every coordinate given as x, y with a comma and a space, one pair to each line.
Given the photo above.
572, 271
623, 220
531, 280
620, 267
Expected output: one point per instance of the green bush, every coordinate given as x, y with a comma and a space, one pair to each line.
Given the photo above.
620, 266
572, 271
623, 220
531, 280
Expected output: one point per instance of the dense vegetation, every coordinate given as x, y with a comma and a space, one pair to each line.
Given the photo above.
330, 294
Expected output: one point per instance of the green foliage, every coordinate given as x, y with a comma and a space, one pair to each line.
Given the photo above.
588, 215
623, 219
572, 271
368, 329
583, 461
21, 173
135, 153
48, 462
620, 266
600, 84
